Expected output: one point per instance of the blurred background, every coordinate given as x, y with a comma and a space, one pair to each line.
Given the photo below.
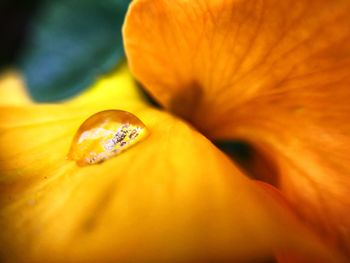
15, 17
61, 46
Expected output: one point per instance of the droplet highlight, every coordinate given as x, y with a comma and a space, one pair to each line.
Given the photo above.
105, 135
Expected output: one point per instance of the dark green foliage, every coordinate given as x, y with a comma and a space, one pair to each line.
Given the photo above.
71, 43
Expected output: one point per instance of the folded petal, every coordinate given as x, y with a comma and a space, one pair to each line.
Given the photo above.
273, 73
171, 198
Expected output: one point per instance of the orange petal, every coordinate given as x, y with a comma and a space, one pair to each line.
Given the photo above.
273, 73
171, 198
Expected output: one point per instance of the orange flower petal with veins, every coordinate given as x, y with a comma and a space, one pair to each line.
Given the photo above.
173, 197
272, 73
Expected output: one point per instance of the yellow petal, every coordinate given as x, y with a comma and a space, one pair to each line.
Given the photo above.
45, 124
12, 89
273, 73
171, 198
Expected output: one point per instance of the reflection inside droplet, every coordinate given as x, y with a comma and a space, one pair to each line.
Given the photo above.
104, 135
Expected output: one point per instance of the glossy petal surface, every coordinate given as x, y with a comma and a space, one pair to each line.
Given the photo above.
157, 202
273, 73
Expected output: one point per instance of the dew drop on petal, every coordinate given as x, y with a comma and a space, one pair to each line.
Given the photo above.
105, 135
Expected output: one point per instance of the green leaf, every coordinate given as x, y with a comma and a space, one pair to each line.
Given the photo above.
72, 42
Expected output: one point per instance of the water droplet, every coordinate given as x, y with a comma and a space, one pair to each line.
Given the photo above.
104, 135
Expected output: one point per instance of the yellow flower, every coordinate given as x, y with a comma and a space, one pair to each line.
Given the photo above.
272, 73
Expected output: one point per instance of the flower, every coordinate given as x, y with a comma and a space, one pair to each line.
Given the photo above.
273, 74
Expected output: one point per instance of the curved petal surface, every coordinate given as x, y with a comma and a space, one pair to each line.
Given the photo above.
273, 73
156, 202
